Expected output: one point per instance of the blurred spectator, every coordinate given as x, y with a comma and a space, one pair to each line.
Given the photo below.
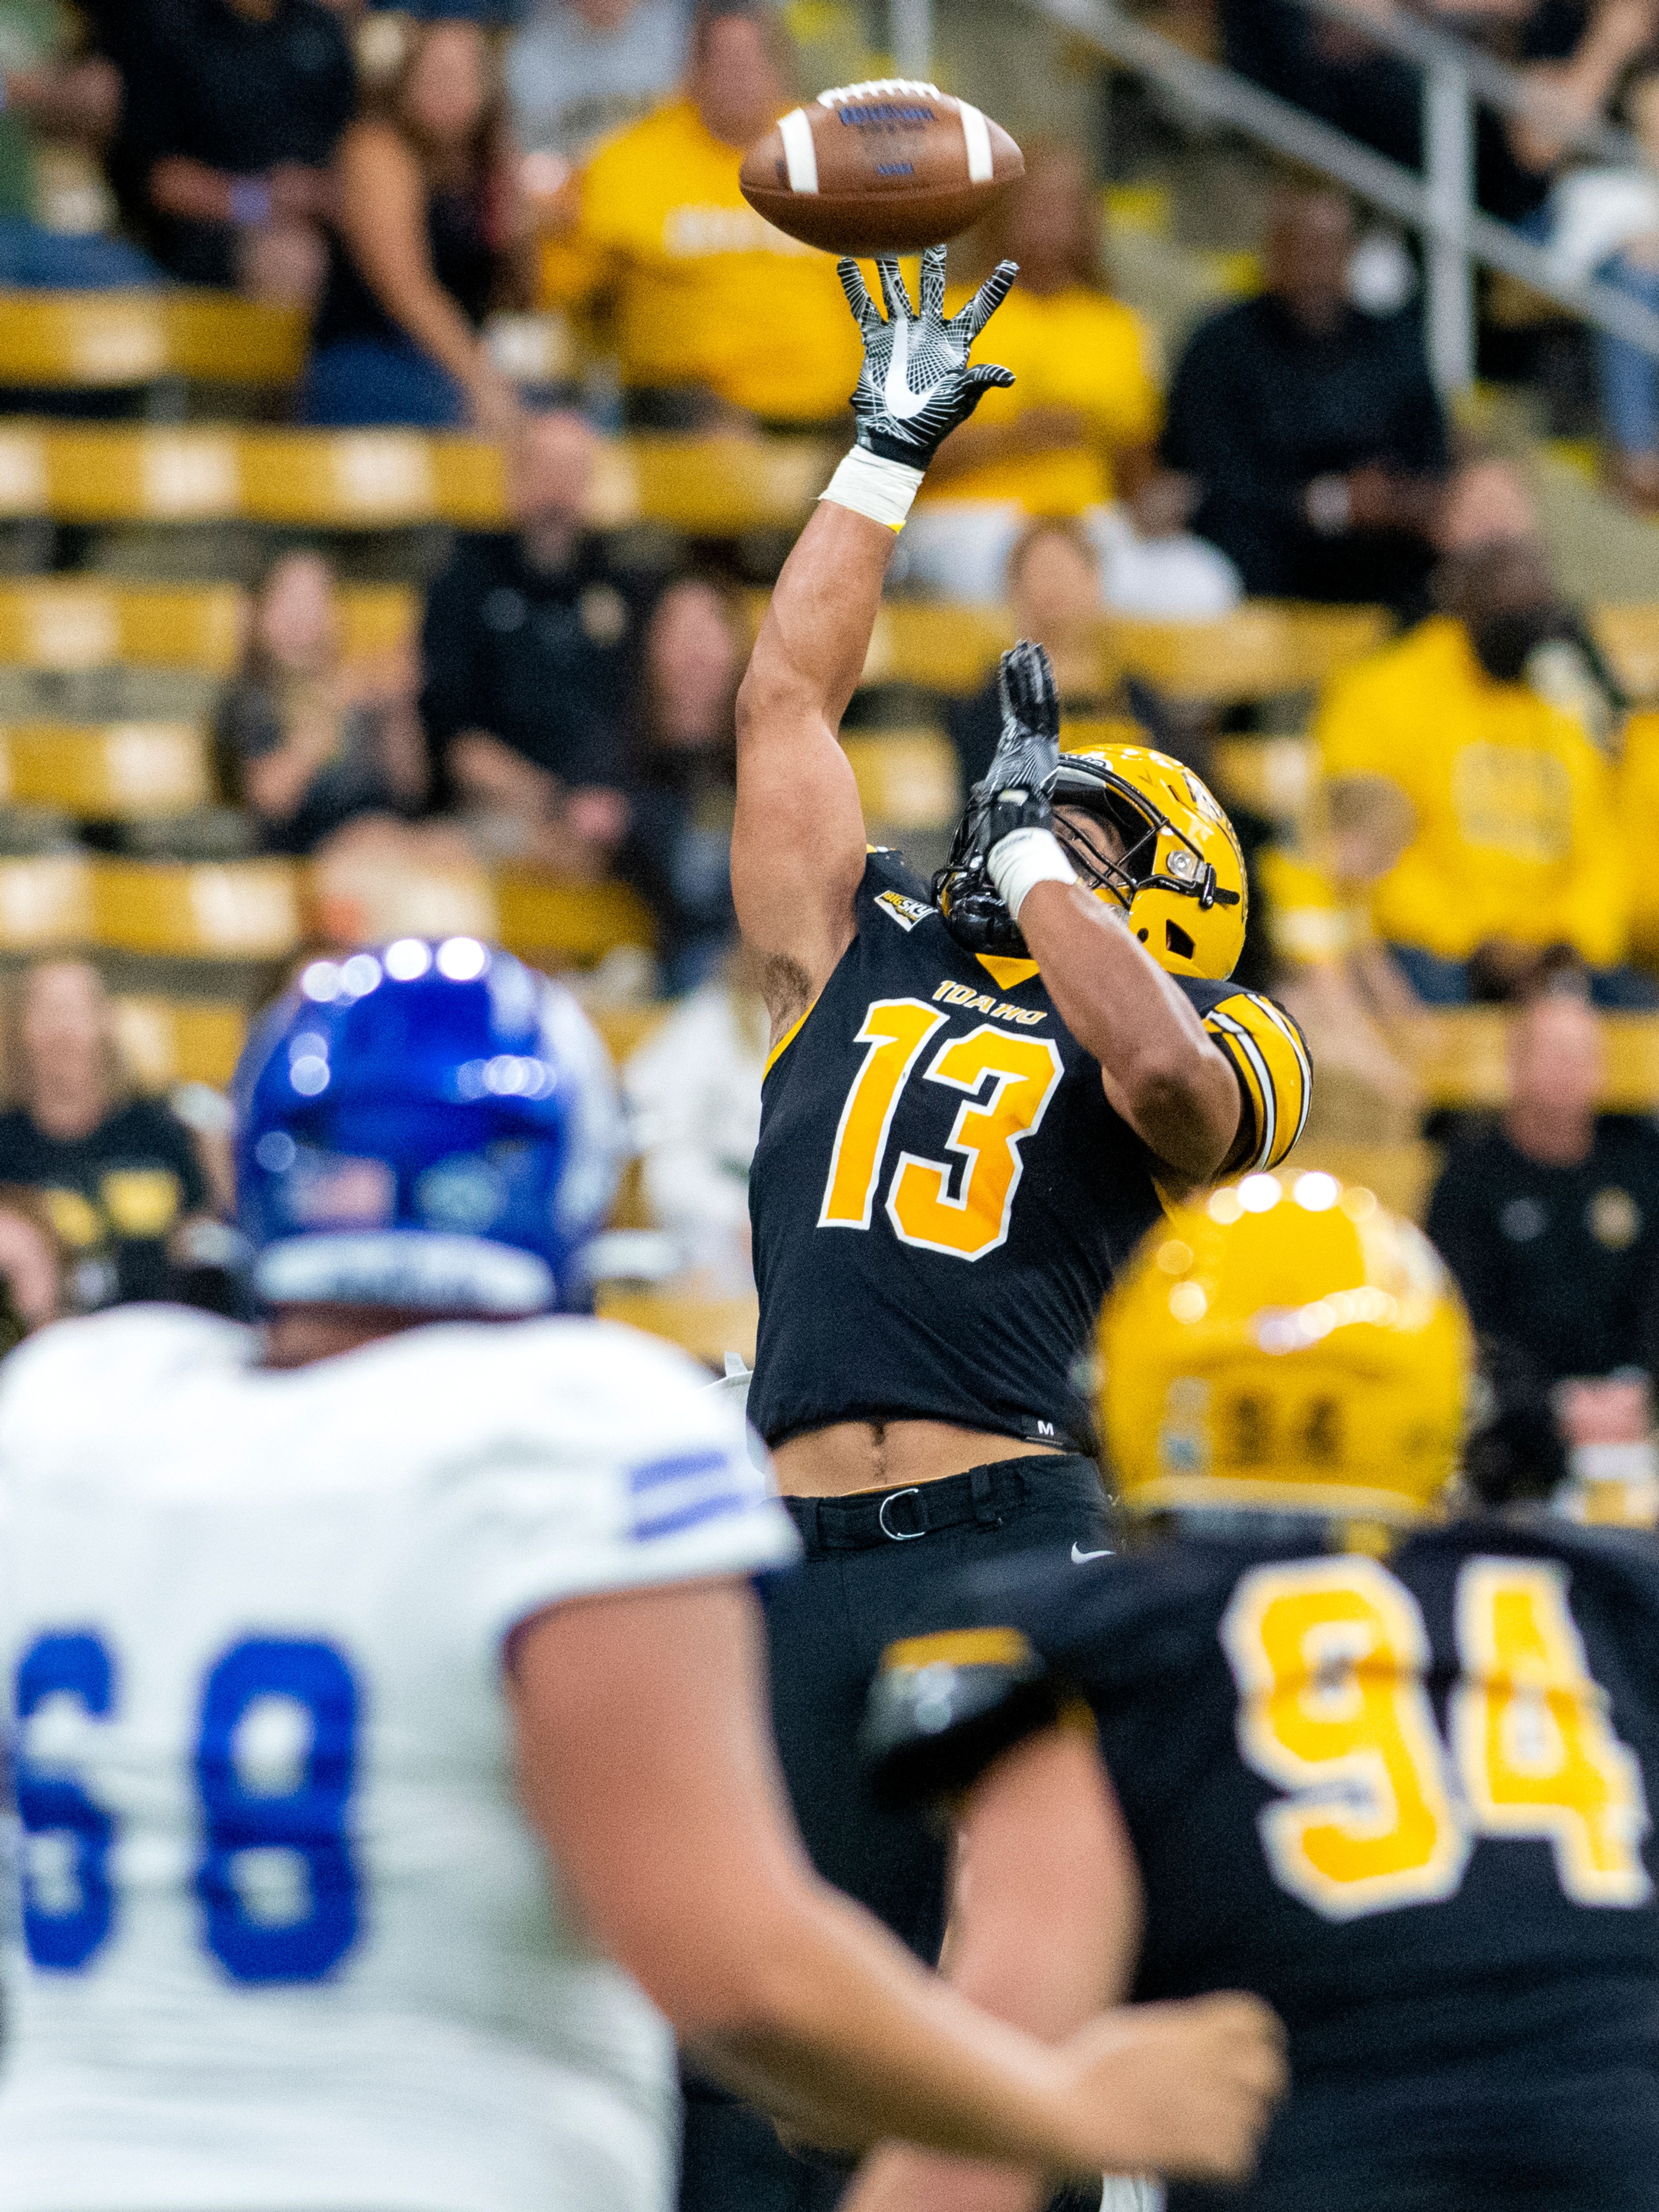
1550, 1222
33, 1288
1574, 50
1606, 222
423, 226
715, 314
232, 113
1466, 748
580, 69
1073, 437
119, 1175
300, 746
694, 1090
678, 853
527, 654
52, 95
1308, 432
1053, 592
1638, 812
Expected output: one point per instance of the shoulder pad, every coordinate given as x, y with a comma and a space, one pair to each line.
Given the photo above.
944, 1706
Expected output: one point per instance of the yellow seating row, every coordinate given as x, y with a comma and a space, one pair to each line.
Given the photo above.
66, 624
257, 910
91, 339
111, 771
381, 479
1458, 1055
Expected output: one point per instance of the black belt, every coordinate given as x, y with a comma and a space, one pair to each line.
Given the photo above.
983, 1494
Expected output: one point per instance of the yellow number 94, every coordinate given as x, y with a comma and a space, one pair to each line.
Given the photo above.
1329, 1657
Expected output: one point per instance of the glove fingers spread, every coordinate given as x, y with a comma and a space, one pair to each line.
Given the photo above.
986, 301
932, 281
858, 295
893, 292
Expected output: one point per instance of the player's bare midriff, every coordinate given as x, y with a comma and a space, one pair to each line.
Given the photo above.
853, 1455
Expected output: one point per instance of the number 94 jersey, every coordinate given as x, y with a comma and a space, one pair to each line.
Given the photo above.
1409, 1801
941, 1193
289, 1940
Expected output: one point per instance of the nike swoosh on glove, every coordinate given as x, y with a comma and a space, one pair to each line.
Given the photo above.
916, 385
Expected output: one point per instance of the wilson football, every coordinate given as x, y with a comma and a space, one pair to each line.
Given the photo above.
884, 168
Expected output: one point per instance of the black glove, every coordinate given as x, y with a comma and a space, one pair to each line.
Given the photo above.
916, 385
1028, 751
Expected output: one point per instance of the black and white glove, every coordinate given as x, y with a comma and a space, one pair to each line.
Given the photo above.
916, 385
1011, 836
1028, 751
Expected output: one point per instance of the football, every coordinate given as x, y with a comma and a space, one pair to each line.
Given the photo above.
884, 168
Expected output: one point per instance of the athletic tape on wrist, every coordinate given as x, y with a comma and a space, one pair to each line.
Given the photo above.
883, 489
1023, 858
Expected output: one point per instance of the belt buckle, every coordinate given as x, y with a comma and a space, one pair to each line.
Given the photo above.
898, 1535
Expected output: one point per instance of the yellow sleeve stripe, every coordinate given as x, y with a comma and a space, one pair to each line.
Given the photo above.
958, 1647
1265, 1048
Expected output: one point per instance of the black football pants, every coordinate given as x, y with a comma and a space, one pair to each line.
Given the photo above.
879, 1565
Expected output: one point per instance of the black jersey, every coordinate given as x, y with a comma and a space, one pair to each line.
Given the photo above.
1407, 1801
941, 1193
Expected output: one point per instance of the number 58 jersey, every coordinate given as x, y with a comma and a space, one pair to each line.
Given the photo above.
941, 1192
287, 1939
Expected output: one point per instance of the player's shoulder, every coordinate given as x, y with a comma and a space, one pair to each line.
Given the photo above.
892, 892
1620, 1566
1033, 1637
100, 1368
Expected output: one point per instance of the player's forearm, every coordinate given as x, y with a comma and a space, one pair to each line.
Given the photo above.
812, 645
1162, 1071
829, 2015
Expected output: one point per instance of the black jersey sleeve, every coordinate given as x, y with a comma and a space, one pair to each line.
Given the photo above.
942, 1707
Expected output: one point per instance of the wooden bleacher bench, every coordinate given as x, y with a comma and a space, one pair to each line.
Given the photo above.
384, 479
62, 625
568, 925
90, 340
110, 771
239, 910
168, 1040
1458, 1055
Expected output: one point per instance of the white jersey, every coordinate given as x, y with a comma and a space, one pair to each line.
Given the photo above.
290, 1942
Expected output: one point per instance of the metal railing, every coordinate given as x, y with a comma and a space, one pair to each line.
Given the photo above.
1439, 203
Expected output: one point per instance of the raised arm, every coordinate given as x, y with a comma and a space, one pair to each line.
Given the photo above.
798, 845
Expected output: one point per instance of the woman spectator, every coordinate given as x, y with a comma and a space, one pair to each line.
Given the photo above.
678, 851
118, 1174
300, 745
1072, 437
420, 250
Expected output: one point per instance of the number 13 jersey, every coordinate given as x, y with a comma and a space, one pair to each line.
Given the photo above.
941, 1193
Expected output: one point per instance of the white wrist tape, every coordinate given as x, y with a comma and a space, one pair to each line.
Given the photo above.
1025, 858
870, 485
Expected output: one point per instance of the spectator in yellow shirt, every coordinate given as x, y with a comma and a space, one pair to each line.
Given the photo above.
711, 309
1512, 845
1072, 437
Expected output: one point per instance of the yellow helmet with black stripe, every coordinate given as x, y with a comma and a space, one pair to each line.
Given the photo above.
1284, 1345
1180, 874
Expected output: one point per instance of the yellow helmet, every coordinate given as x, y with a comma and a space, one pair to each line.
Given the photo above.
1289, 1347
1182, 875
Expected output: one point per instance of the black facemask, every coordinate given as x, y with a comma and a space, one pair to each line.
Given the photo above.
1504, 640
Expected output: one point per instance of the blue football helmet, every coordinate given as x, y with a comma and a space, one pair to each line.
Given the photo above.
429, 1125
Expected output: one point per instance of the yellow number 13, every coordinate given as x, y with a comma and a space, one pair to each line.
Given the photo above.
1329, 1656
1022, 1073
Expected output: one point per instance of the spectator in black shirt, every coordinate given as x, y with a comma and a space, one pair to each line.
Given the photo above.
232, 113
1310, 433
307, 745
426, 197
118, 1174
528, 653
1550, 1222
